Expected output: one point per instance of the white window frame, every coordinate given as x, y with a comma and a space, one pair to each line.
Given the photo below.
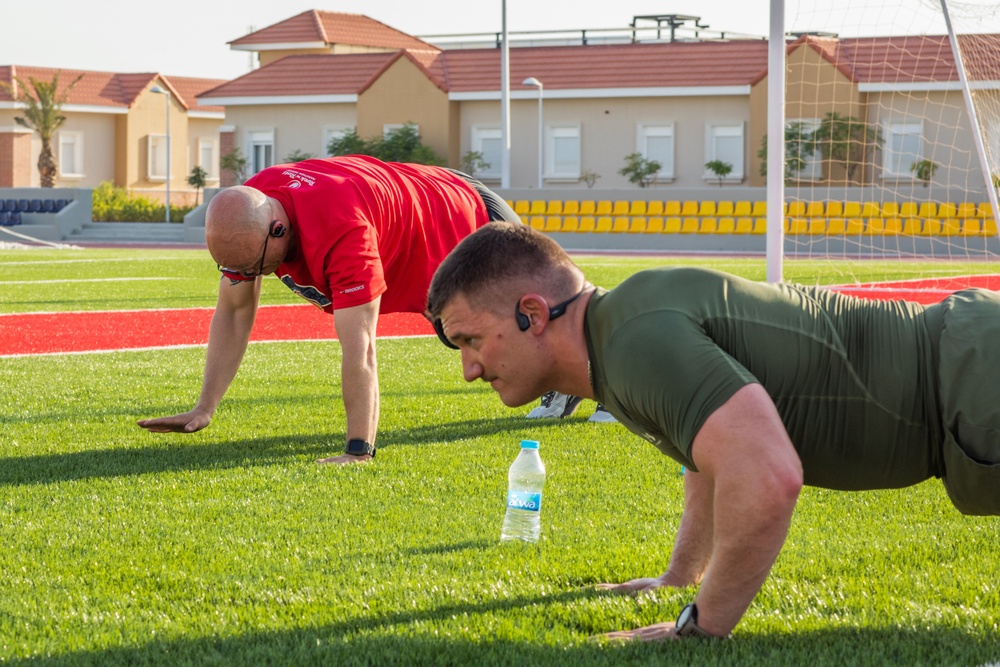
332, 132
714, 131
488, 132
658, 130
561, 131
74, 170
156, 157
814, 164
389, 127
262, 138
894, 129
212, 166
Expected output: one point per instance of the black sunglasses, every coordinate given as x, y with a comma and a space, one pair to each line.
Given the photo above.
263, 255
555, 312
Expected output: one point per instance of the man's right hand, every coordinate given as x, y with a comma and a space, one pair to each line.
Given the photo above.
186, 422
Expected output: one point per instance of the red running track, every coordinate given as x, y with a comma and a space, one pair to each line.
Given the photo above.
55, 333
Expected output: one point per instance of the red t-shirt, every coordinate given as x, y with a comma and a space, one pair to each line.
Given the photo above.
366, 228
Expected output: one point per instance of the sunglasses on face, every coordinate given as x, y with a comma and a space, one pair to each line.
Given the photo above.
555, 312
250, 275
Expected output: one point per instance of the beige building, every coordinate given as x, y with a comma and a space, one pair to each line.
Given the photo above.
116, 130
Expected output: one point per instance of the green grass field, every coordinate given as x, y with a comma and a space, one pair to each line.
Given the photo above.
231, 546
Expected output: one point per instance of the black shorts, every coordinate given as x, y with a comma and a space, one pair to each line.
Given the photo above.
496, 207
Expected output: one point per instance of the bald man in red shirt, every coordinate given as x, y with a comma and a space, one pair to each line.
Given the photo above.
355, 236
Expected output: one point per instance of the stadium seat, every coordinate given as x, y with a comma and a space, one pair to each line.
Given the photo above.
604, 207
4, 218
588, 207
816, 226
759, 226
34, 206
947, 210
553, 223
537, 207
984, 210
871, 209
909, 209
15, 217
971, 227
655, 225
931, 227
796, 225
725, 209
927, 209
852, 209
966, 210
912, 226
23, 205
637, 208
637, 224
619, 208
855, 227
620, 224
989, 227
950, 226
10, 204
654, 208
689, 208
521, 207
890, 209
727, 225
759, 209
49, 206
537, 222
834, 209
744, 225
795, 209
587, 223
815, 209
708, 225
571, 207
671, 208
571, 223
690, 225
836, 226
604, 223
742, 209
706, 208
672, 225
554, 207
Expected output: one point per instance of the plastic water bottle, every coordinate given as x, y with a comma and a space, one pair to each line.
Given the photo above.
524, 495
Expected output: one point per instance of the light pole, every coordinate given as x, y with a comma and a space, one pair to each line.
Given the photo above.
166, 94
532, 81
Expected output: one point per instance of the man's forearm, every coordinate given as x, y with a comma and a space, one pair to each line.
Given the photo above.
693, 544
359, 379
228, 337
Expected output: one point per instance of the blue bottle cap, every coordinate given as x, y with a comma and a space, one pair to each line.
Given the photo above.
529, 444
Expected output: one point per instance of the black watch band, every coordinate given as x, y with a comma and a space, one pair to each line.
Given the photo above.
359, 447
687, 623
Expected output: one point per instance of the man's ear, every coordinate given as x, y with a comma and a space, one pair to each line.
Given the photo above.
531, 309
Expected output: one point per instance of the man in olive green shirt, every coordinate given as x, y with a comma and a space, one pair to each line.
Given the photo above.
757, 389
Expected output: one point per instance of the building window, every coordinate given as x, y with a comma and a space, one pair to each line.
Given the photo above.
656, 142
904, 145
261, 149
71, 154
489, 142
333, 134
389, 128
562, 151
156, 157
208, 151
797, 133
725, 143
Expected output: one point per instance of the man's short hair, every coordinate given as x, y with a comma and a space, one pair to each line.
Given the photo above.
497, 258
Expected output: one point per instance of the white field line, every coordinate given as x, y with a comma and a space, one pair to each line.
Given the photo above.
84, 280
164, 258
146, 310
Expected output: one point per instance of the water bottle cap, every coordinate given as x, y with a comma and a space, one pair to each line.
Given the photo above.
529, 444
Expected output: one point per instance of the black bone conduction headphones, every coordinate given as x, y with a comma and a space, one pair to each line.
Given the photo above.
277, 229
524, 322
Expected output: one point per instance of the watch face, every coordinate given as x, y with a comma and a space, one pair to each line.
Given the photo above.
687, 616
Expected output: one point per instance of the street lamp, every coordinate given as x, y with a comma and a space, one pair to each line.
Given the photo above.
166, 94
532, 81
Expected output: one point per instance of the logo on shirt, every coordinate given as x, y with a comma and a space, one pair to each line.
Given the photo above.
352, 289
295, 184
298, 178
307, 292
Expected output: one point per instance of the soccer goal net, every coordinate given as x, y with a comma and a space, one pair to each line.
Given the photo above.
892, 140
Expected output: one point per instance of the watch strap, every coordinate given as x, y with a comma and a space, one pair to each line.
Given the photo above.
359, 447
687, 623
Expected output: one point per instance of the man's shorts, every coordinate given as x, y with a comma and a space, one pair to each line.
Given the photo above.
970, 400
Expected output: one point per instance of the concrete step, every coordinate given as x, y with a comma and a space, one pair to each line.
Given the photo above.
130, 232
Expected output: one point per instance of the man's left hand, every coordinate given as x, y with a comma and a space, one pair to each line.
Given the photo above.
346, 458
650, 633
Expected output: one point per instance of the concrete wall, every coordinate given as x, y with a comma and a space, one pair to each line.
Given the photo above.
52, 226
295, 128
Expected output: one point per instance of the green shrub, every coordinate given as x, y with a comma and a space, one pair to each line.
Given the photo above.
114, 204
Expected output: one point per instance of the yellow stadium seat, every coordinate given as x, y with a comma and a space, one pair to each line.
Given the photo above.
759, 226
796, 225
852, 209
947, 210
744, 225
637, 224
834, 209
909, 209
604, 223
931, 227
708, 226
890, 209
553, 223
742, 209
554, 207
587, 223
571, 223
571, 207
537, 222
690, 225
892, 226
588, 207
966, 209
950, 226
871, 209
521, 207
689, 208
537, 207
984, 210
706, 208
725, 209
989, 227
927, 209
727, 225
604, 207
855, 226
637, 208
971, 227
672, 225
795, 209
655, 225
620, 208
671, 208
912, 226
620, 224
816, 226
836, 226
759, 209
654, 208
815, 209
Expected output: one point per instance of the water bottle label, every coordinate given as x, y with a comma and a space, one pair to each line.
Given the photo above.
524, 500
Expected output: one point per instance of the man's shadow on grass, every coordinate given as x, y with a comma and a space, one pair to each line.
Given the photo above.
177, 455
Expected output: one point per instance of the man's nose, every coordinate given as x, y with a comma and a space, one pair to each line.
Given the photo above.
471, 369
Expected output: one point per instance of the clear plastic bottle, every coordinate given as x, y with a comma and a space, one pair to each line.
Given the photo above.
524, 495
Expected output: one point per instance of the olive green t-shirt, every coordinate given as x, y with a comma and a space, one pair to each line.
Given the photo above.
853, 380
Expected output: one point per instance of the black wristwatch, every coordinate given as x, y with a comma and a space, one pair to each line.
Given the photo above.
359, 447
687, 623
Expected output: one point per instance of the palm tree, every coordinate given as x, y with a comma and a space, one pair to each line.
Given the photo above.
42, 115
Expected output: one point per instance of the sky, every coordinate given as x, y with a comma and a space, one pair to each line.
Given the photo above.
189, 37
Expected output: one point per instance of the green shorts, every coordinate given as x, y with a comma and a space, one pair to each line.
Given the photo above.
970, 400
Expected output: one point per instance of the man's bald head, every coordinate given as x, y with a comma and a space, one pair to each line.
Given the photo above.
236, 223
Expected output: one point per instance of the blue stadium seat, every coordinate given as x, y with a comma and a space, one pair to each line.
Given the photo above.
10, 205
61, 204
23, 205
48, 206
4, 218
15, 218
35, 206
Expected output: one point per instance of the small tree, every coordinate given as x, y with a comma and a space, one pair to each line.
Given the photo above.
924, 170
845, 139
720, 169
43, 115
473, 162
589, 176
234, 162
298, 156
799, 147
347, 144
639, 169
197, 180
400, 145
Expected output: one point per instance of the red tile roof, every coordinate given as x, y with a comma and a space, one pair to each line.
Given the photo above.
332, 28
109, 89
